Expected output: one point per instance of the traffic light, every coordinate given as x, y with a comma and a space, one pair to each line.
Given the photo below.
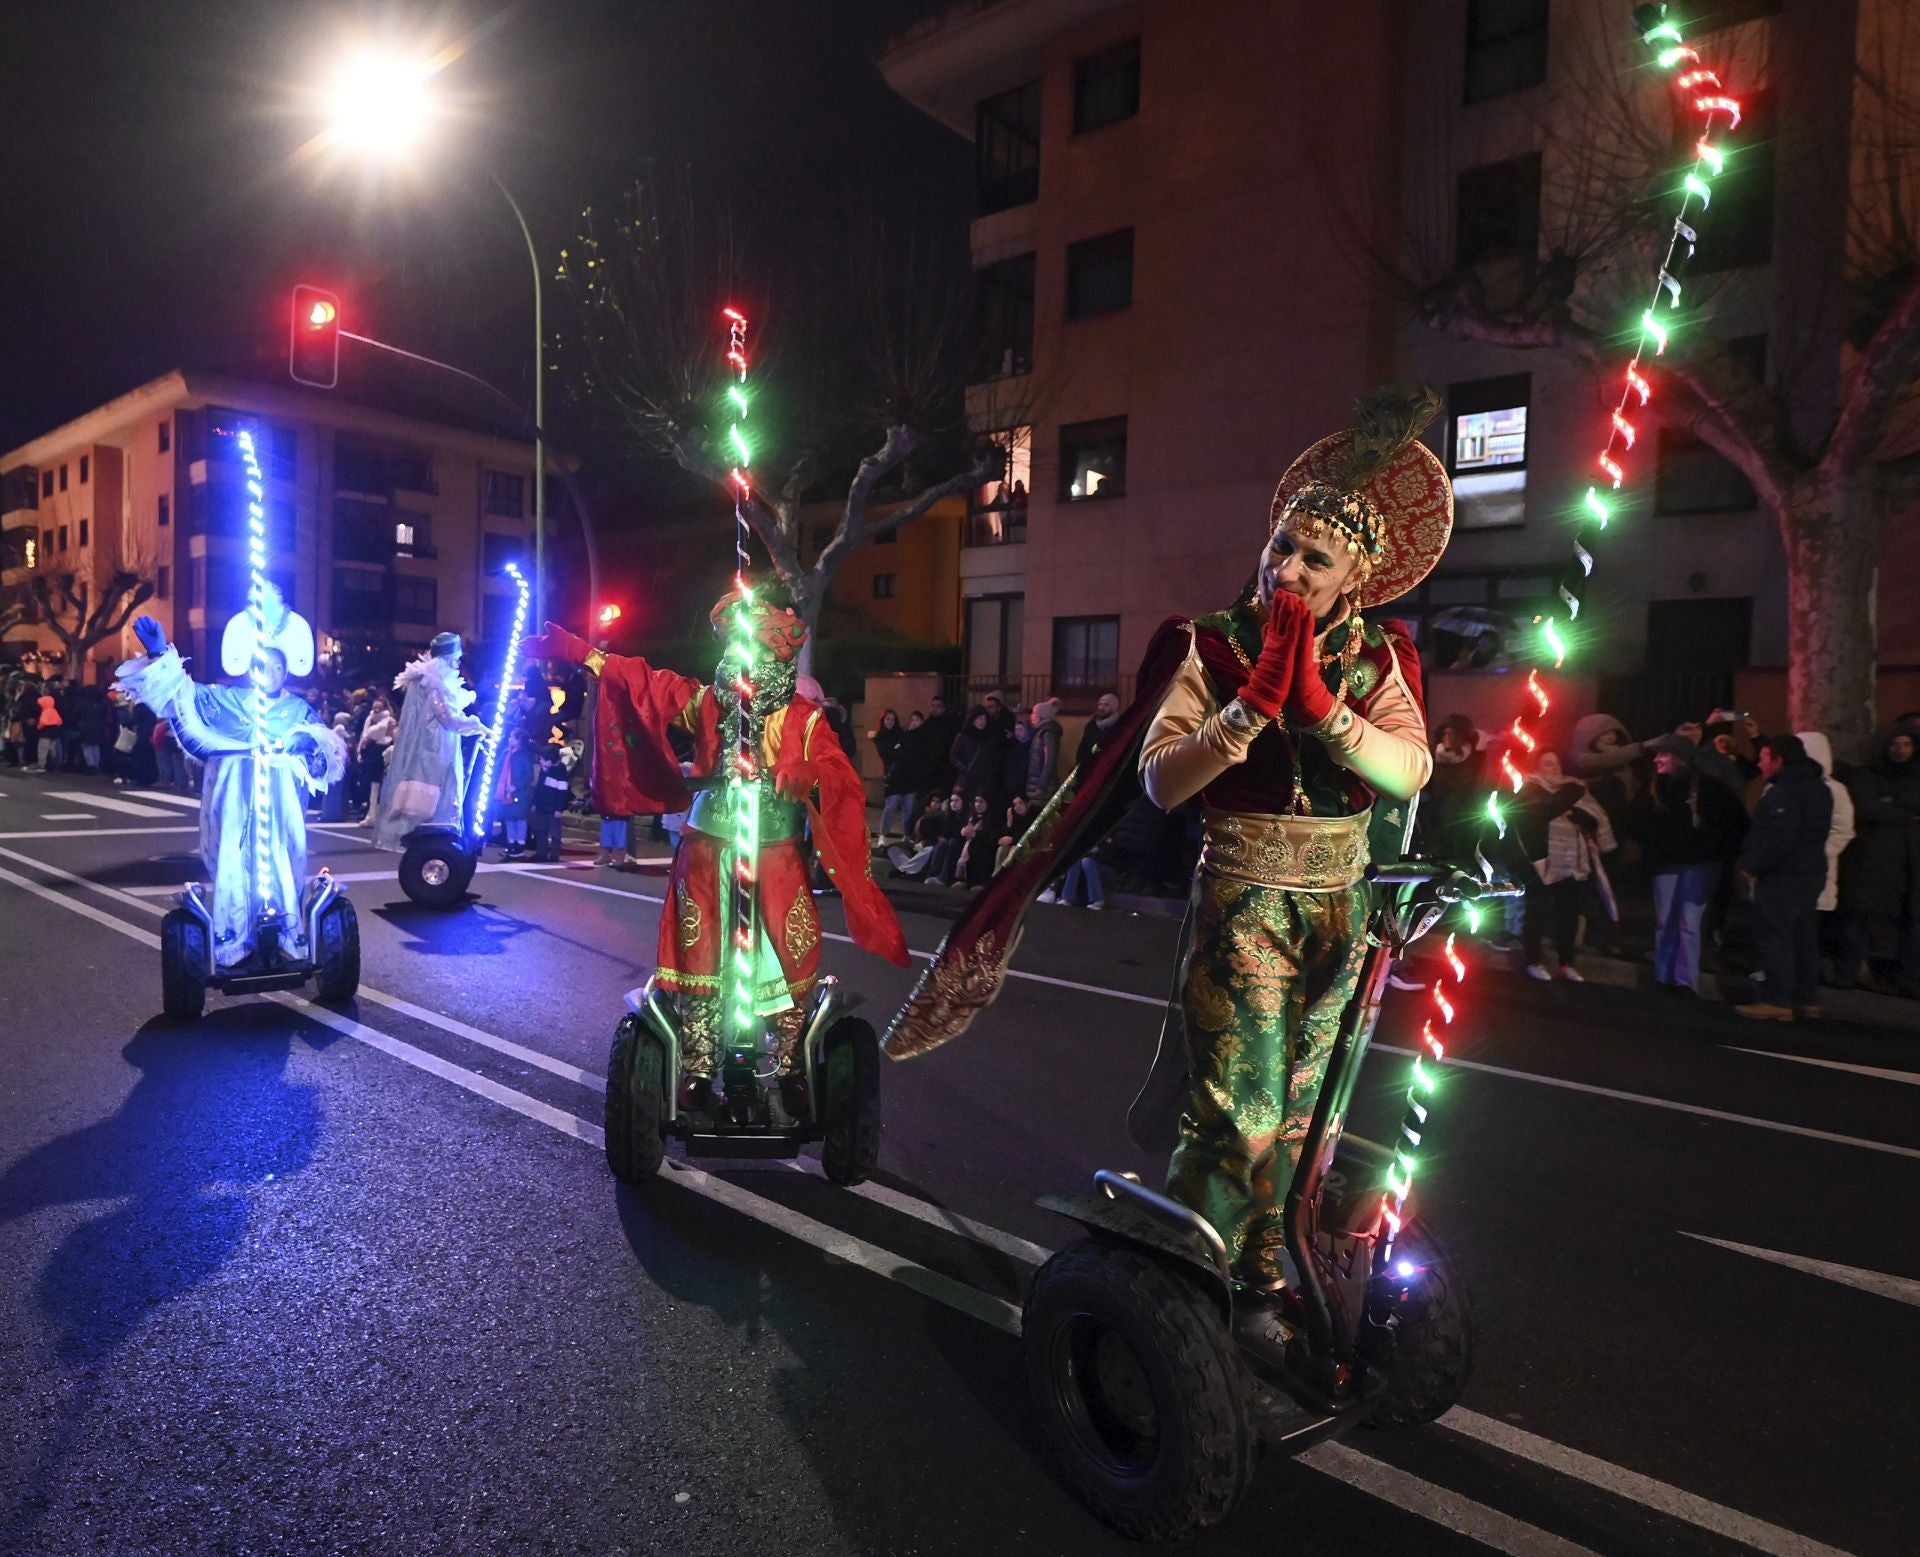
313, 353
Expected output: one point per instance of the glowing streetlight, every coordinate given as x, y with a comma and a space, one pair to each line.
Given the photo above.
380, 105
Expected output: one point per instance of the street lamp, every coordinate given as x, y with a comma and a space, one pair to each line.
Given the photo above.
382, 105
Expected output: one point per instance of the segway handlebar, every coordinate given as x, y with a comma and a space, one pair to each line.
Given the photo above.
1451, 884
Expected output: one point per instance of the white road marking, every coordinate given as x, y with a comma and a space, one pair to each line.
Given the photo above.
1911, 1078
1027, 1253
1668, 1103
109, 803
1634, 1487
1435, 1503
1491, 1528
833, 935
103, 832
1902, 1289
487, 1040
68, 816
168, 797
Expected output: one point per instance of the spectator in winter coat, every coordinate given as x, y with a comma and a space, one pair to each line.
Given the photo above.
953, 838
890, 746
1015, 761
941, 728
1564, 832
552, 788
1449, 805
1106, 714
998, 714
1785, 858
1043, 754
978, 756
52, 734
1880, 876
1020, 815
91, 717
513, 794
975, 864
1602, 755
1689, 830
913, 858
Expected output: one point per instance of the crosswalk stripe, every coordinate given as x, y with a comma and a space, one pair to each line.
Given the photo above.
110, 803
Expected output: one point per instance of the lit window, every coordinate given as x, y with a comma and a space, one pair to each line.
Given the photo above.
403, 536
1487, 450
1093, 460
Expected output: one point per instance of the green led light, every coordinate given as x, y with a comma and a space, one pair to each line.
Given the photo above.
1712, 156
1697, 186
1664, 30
1400, 1187
1493, 809
1671, 57
738, 396
740, 445
1551, 633
1473, 917
1655, 330
1422, 1077
1597, 506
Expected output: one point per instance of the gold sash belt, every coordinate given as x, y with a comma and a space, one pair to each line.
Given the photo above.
1302, 853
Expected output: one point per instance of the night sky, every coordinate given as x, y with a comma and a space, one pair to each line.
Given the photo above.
158, 211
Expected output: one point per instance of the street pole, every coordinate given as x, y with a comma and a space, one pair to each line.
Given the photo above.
539, 416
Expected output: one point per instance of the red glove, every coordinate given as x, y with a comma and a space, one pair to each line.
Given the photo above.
556, 643
1309, 702
1289, 623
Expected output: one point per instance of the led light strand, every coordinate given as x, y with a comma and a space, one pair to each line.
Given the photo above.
264, 747
497, 731
1707, 96
741, 859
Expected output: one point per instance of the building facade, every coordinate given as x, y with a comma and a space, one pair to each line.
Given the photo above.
383, 529
1202, 228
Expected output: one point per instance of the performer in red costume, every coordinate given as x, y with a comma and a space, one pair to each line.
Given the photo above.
813, 789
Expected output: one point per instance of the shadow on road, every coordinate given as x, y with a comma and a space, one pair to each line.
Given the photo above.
211, 1118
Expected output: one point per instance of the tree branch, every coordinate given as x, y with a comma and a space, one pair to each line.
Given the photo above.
1882, 376
983, 471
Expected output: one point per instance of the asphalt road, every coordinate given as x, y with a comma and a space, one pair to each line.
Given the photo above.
289, 1279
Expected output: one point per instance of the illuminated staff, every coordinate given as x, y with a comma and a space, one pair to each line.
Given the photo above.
497, 731
741, 859
263, 746
1707, 96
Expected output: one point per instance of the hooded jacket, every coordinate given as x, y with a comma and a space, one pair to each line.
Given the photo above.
1840, 830
1881, 871
1789, 832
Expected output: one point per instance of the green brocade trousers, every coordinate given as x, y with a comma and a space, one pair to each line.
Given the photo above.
1269, 975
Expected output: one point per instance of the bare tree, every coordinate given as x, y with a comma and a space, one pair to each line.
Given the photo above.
91, 604
863, 347
1822, 432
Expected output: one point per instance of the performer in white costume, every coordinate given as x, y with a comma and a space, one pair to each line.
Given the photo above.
216, 724
426, 781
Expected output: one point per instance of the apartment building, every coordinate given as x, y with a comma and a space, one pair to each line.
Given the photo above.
383, 529
1197, 221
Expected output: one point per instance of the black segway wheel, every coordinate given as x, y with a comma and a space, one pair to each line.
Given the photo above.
435, 873
1433, 1349
850, 1107
636, 1109
336, 952
1134, 1372
183, 965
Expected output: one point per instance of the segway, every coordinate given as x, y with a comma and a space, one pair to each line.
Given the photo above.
842, 1069
1155, 1399
188, 971
437, 861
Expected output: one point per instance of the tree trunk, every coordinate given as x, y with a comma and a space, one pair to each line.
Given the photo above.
1831, 530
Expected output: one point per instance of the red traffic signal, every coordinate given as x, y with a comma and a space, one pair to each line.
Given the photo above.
313, 352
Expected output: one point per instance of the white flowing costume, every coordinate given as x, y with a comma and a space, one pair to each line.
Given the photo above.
215, 724
426, 782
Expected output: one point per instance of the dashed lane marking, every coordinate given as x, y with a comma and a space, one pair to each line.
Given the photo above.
1902, 1289
1880, 1072
109, 803
1805, 1131
101, 832
1435, 1503
68, 816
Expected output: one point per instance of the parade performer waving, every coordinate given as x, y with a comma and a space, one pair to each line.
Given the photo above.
813, 789
1296, 722
426, 780
216, 724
